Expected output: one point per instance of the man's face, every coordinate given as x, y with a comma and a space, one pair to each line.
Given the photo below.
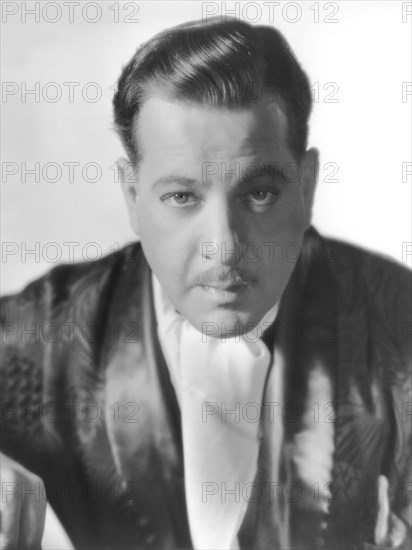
221, 207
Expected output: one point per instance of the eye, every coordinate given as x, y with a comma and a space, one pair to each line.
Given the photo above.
179, 199
261, 197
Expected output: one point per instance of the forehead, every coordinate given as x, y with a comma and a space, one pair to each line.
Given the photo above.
174, 129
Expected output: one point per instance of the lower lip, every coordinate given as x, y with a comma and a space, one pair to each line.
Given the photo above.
224, 296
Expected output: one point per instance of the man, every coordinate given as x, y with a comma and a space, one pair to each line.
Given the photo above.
138, 417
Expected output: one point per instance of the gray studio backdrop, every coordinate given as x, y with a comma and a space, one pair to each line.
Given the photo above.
61, 199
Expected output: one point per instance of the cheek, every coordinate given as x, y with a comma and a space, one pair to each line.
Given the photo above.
166, 251
292, 224
297, 212
285, 228
278, 265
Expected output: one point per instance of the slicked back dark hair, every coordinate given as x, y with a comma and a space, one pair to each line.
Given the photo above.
221, 63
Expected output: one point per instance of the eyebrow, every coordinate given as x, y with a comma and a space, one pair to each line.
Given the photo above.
269, 169
173, 180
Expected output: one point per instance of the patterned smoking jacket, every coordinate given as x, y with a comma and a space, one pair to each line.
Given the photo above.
88, 405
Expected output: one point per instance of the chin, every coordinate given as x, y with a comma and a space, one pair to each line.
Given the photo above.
225, 324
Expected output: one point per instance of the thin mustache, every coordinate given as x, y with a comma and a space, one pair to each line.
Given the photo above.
224, 277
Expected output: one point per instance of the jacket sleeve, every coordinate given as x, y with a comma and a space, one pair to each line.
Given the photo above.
390, 290
50, 336
25, 337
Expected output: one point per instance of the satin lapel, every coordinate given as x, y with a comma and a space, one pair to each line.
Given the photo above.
312, 330
336, 335
315, 345
273, 521
142, 415
360, 420
323, 322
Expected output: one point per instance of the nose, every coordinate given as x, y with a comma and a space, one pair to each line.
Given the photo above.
220, 242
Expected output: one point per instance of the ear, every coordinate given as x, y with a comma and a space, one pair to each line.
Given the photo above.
310, 173
129, 181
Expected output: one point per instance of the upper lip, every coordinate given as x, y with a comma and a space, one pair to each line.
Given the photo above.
224, 286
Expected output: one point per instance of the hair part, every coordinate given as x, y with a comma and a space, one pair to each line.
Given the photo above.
220, 63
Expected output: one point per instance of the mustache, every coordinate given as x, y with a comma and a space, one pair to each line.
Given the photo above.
232, 276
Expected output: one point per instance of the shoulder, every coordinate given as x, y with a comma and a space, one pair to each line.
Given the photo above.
378, 276
66, 284
375, 284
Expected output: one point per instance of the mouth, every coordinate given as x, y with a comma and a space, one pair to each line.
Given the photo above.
224, 293
224, 286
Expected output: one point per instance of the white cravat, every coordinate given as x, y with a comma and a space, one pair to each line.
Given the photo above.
220, 387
